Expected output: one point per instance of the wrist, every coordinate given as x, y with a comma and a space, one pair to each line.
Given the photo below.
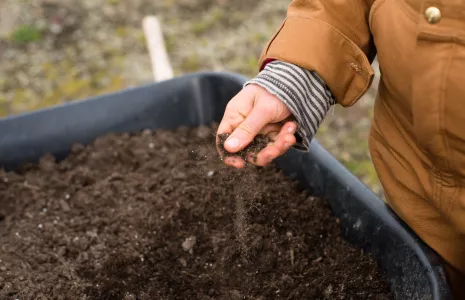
303, 92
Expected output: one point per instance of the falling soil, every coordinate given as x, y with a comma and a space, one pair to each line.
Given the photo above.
153, 216
250, 151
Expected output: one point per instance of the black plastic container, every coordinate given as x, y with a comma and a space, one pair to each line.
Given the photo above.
413, 270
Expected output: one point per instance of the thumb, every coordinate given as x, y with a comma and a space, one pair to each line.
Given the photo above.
247, 130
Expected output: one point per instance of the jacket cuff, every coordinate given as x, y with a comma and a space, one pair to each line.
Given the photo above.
317, 46
267, 61
304, 93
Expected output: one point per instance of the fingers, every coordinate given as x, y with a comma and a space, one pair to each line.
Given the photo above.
282, 143
283, 140
237, 110
250, 112
235, 162
247, 130
272, 130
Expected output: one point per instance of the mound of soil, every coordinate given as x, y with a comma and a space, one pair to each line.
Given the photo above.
157, 215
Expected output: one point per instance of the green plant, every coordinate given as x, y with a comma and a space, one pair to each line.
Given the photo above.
26, 34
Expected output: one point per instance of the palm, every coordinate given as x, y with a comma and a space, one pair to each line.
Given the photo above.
255, 111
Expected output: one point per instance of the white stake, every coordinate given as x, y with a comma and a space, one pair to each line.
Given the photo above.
161, 67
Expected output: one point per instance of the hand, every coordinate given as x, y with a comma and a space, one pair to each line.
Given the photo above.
255, 111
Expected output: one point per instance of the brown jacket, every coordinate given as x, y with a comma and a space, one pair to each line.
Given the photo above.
417, 140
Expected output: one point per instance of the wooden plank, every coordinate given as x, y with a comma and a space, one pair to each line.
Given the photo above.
161, 67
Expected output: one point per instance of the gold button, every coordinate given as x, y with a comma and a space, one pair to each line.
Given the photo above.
433, 15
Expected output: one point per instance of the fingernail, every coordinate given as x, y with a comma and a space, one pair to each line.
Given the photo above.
291, 129
232, 143
229, 161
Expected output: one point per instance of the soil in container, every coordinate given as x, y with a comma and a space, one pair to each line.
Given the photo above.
155, 216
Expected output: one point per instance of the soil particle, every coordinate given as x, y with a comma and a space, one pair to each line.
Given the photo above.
118, 222
189, 244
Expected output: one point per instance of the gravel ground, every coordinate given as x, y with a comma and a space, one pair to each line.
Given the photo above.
61, 50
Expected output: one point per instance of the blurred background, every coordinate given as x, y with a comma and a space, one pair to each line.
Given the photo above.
52, 51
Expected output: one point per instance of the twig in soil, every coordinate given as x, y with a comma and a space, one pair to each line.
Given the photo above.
291, 253
188, 274
30, 186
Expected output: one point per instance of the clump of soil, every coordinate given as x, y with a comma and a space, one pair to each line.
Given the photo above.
251, 150
152, 216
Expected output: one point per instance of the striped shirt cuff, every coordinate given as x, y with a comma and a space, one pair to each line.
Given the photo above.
304, 93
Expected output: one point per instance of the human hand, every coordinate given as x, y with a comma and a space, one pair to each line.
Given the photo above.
256, 111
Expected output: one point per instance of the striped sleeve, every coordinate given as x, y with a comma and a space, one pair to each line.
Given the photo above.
304, 93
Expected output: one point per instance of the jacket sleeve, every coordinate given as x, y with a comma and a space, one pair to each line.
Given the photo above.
330, 37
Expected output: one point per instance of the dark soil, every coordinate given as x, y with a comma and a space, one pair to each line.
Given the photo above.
155, 216
251, 150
